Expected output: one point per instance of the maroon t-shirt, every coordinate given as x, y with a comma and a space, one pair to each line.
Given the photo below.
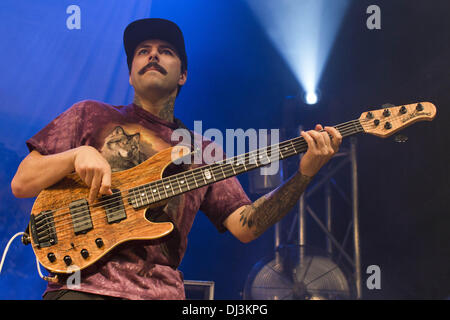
126, 136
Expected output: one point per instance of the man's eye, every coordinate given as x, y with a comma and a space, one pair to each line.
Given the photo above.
142, 51
166, 51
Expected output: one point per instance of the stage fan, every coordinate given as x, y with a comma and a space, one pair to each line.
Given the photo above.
296, 272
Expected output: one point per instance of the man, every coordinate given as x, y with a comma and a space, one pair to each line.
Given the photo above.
94, 139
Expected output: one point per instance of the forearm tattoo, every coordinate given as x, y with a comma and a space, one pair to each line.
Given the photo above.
272, 207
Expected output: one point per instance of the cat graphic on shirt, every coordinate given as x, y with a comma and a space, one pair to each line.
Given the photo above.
122, 150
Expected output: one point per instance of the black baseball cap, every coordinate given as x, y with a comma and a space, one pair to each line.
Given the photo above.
153, 28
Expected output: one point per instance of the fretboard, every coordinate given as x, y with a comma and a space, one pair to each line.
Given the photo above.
179, 183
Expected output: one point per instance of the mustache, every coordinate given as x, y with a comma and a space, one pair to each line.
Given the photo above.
152, 65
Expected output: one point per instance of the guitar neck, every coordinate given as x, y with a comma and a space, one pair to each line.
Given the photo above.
199, 177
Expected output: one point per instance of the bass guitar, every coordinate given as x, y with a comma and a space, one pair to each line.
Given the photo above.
66, 231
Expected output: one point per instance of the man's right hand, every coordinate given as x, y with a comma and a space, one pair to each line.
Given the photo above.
94, 170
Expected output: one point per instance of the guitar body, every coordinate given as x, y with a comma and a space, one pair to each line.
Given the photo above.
65, 232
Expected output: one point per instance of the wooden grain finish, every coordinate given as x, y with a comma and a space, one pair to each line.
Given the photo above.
134, 227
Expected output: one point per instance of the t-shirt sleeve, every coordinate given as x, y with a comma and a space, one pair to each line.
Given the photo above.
223, 198
59, 135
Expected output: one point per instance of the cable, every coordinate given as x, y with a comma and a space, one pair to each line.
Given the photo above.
46, 278
7, 247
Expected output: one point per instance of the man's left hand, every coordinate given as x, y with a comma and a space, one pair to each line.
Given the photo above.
320, 149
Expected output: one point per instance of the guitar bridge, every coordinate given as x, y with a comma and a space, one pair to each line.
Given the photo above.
42, 228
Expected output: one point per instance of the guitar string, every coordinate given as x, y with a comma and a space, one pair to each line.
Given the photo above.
184, 176
159, 185
119, 200
72, 219
103, 215
198, 174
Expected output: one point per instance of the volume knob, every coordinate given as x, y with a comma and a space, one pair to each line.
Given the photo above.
68, 260
99, 242
84, 253
51, 257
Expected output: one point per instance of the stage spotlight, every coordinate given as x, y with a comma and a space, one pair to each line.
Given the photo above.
311, 97
303, 32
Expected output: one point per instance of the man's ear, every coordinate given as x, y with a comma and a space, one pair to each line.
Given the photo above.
129, 79
183, 78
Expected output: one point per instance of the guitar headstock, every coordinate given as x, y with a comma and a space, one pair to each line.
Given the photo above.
387, 121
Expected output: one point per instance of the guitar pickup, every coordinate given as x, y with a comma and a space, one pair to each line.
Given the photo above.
81, 216
113, 205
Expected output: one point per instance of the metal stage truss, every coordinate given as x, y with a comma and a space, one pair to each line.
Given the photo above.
299, 271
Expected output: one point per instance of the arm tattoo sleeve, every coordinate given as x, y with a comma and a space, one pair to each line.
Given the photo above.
272, 207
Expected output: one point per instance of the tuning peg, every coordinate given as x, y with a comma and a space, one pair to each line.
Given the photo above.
403, 110
369, 115
419, 107
386, 113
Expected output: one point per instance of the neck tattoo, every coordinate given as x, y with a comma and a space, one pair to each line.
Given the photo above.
165, 113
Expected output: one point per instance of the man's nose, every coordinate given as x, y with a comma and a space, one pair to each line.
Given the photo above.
154, 56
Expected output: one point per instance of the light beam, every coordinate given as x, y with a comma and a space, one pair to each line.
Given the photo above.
303, 31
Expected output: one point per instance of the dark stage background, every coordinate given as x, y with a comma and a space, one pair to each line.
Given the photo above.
237, 79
